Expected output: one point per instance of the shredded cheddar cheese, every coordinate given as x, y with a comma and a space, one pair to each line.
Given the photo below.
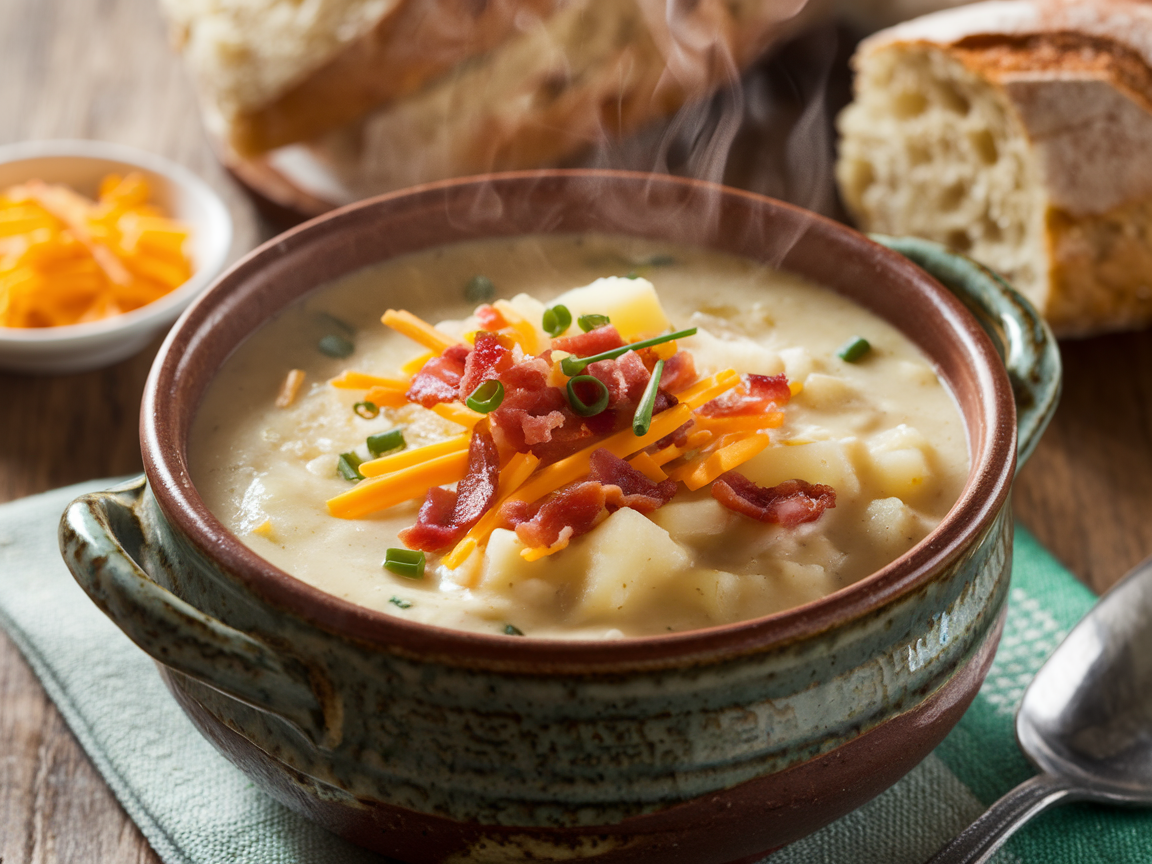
65, 259
379, 493
418, 330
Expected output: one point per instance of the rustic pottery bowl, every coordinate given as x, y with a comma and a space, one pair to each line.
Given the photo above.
434, 745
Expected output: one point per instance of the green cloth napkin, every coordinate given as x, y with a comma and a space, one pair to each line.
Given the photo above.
195, 808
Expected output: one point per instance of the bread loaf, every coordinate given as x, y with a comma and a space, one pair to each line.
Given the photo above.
1017, 132
271, 72
596, 70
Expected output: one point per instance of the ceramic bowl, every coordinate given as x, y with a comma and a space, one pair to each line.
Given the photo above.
433, 745
180, 193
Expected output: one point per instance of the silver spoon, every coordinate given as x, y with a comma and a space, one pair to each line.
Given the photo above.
1085, 721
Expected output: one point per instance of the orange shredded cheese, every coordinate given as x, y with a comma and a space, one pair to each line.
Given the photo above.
417, 363
350, 380
699, 472
403, 321
289, 388
649, 467
386, 397
524, 331
458, 413
379, 493
65, 259
407, 458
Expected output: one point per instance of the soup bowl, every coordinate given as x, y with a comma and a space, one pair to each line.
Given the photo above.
717, 745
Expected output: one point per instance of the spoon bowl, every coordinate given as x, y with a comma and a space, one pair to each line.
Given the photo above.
1085, 721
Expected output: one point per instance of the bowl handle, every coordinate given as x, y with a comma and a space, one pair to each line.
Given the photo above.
1021, 336
101, 537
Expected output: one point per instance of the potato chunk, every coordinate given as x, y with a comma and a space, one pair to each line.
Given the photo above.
632, 305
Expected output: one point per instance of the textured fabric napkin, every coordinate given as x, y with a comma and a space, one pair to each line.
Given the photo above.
195, 808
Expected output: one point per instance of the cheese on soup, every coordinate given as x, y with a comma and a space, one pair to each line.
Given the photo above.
623, 439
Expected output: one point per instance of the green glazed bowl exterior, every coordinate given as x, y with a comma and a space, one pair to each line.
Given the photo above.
434, 745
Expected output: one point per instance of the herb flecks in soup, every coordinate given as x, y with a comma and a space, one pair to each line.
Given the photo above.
611, 460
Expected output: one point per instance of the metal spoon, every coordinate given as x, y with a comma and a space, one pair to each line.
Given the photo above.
1085, 721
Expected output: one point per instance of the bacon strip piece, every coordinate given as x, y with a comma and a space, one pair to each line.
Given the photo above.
791, 503
593, 342
490, 318
439, 379
446, 515
488, 358
679, 372
755, 396
579, 507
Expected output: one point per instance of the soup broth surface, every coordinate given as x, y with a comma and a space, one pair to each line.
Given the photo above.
883, 432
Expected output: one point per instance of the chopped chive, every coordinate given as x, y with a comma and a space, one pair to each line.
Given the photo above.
592, 321
643, 416
579, 405
401, 602
854, 349
512, 630
349, 467
575, 365
556, 320
335, 346
405, 562
487, 397
479, 289
632, 274
367, 410
385, 441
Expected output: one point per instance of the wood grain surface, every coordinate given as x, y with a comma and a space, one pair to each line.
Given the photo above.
102, 69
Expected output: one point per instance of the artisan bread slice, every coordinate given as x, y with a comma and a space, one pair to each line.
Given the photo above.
1017, 132
272, 72
594, 71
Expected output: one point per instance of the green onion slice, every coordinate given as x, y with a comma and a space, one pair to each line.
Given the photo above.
349, 467
512, 630
575, 365
556, 320
405, 562
854, 349
642, 419
336, 346
487, 397
401, 602
393, 439
592, 321
479, 289
581, 407
367, 410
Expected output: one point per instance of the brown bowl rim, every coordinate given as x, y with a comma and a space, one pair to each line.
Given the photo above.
984, 493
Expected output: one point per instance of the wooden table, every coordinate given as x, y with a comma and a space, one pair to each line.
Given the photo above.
102, 69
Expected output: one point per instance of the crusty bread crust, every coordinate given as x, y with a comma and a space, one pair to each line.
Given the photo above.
412, 45
596, 70
1075, 84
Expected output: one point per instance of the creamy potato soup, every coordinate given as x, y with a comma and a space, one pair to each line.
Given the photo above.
463, 468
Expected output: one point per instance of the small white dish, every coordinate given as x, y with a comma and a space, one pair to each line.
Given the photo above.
180, 193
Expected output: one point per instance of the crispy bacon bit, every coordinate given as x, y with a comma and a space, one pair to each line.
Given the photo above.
790, 503
679, 372
754, 396
439, 379
636, 491
487, 360
625, 377
445, 515
569, 512
489, 318
593, 342
579, 507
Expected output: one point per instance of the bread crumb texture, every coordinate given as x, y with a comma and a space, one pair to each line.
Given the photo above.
1025, 153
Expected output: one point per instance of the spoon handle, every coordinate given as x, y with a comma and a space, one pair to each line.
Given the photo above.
983, 837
